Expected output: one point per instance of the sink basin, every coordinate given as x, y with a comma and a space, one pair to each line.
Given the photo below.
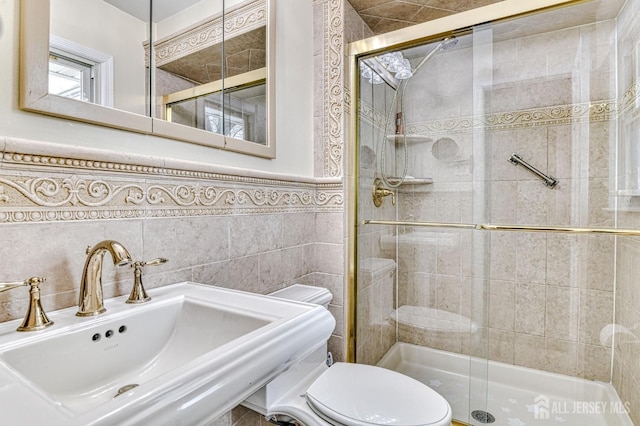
87, 367
192, 353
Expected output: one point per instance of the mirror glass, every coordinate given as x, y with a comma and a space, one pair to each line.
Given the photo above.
187, 53
96, 63
211, 73
192, 70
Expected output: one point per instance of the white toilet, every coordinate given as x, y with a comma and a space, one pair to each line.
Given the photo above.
313, 394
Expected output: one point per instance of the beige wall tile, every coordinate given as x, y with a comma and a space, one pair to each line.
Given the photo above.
502, 263
329, 258
532, 199
501, 346
328, 227
502, 207
561, 357
531, 257
207, 239
594, 362
562, 251
562, 313
527, 351
530, 309
502, 303
596, 312
448, 292
251, 236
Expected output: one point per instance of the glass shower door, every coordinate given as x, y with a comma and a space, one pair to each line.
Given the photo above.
421, 291
500, 149
543, 84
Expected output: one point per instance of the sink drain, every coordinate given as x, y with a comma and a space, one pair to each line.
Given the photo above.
124, 389
483, 416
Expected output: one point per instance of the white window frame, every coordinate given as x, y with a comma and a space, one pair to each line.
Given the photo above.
102, 70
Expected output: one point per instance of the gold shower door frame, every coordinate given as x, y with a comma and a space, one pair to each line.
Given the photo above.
411, 36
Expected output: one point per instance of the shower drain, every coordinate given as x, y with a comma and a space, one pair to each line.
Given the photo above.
483, 416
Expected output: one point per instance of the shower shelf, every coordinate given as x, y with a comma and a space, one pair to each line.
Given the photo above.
411, 138
410, 181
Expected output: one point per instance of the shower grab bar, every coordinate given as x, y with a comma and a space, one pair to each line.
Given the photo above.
522, 228
515, 159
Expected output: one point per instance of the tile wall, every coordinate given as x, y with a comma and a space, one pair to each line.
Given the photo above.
376, 270
539, 300
220, 226
547, 295
234, 228
626, 368
231, 227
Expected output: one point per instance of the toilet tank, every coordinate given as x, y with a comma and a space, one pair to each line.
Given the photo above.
305, 293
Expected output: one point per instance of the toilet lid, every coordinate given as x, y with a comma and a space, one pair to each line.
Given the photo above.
359, 395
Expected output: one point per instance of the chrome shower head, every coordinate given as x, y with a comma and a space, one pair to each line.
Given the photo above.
445, 44
448, 43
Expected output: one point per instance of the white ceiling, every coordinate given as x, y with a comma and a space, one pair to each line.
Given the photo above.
162, 9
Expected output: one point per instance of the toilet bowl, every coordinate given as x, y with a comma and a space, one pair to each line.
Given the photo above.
311, 393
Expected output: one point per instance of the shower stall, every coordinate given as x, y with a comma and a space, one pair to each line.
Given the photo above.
495, 192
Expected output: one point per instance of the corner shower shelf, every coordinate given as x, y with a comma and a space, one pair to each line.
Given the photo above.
431, 319
411, 181
411, 138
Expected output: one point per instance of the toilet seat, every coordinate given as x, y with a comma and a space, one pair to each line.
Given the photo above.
364, 395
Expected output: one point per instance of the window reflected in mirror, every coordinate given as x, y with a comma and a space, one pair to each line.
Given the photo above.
201, 85
100, 64
136, 65
79, 72
71, 77
246, 114
187, 50
240, 113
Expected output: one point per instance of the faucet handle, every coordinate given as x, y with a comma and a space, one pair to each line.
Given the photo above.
379, 192
155, 262
35, 318
35, 281
138, 293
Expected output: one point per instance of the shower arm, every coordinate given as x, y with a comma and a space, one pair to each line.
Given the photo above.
549, 181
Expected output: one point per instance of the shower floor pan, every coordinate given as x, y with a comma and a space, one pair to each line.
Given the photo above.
515, 396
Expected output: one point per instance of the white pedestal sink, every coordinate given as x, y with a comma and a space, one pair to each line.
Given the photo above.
184, 358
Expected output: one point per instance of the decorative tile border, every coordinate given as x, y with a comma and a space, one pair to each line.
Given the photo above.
371, 116
18, 160
237, 21
548, 116
333, 67
630, 98
39, 188
336, 98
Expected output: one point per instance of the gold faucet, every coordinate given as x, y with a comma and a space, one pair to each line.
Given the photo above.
35, 318
91, 301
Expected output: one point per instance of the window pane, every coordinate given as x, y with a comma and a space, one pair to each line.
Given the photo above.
69, 78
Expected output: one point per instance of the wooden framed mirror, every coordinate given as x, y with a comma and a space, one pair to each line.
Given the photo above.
111, 75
